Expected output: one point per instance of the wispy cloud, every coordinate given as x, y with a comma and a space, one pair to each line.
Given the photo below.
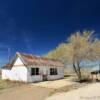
27, 41
7, 22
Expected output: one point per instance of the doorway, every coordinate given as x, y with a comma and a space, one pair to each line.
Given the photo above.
44, 77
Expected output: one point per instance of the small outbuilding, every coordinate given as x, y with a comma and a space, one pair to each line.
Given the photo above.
29, 68
95, 72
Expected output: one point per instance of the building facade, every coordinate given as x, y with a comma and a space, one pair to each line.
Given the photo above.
29, 68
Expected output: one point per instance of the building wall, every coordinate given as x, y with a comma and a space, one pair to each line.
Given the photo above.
33, 78
44, 70
6, 73
21, 73
17, 73
60, 74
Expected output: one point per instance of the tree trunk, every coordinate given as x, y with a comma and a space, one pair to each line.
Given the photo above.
77, 71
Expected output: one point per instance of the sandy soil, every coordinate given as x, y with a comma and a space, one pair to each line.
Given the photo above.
89, 92
25, 93
34, 91
55, 84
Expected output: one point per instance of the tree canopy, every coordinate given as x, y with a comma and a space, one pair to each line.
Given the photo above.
79, 46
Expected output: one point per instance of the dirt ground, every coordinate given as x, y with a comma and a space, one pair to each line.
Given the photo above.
25, 93
89, 92
33, 91
55, 84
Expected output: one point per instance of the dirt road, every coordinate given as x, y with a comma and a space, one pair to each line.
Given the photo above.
89, 92
33, 91
25, 93
55, 84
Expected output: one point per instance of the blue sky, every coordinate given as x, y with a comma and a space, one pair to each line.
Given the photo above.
38, 26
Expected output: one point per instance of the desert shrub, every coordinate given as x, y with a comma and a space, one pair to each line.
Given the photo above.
82, 80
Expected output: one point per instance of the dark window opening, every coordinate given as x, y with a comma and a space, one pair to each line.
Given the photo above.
53, 71
37, 71
34, 71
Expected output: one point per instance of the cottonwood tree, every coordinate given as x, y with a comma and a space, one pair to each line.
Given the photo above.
94, 54
95, 48
58, 53
78, 47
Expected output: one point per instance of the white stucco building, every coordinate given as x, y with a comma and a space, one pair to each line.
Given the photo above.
29, 68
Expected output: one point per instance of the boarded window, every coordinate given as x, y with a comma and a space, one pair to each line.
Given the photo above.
34, 71
53, 71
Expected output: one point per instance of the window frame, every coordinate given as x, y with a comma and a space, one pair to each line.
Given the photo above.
53, 71
34, 71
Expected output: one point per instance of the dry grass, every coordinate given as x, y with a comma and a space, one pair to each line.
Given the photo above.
4, 84
68, 88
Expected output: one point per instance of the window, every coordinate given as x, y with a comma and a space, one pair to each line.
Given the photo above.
34, 71
53, 71
37, 71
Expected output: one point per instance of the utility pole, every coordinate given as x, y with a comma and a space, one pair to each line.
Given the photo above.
9, 54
